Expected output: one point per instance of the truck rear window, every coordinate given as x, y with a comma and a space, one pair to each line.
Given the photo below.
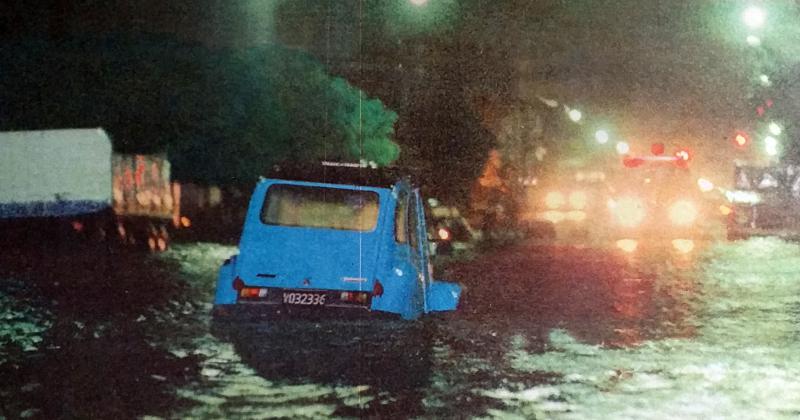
320, 207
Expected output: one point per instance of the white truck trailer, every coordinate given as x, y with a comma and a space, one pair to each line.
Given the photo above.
64, 185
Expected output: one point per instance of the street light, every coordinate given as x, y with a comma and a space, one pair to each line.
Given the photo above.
601, 136
754, 17
575, 115
623, 147
771, 145
753, 40
775, 129
764, 79
418, 2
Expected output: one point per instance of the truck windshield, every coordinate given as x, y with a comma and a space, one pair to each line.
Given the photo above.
320, 207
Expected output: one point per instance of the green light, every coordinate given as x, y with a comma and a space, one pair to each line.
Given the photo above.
754, 17
753, 41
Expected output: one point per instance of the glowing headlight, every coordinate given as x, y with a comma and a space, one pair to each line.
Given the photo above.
682, 213
628, 211
576, 215
554, 200
627, 245
577, 200
553, 216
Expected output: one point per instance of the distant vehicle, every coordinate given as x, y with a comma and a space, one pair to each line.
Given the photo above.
340, 239
448, 230
63, 185
657, 201
765, 202
569, 204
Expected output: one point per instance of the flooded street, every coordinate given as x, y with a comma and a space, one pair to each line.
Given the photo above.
542, 332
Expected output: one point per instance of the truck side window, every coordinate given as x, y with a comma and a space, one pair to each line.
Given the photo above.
401, 219
413, 220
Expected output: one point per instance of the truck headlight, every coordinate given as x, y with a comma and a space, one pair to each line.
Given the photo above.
628, 211
683, 213
554, 200
577, 200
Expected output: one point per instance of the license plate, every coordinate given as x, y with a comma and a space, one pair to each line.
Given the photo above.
305, 299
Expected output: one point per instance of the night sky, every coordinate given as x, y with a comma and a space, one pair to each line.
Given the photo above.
672, 71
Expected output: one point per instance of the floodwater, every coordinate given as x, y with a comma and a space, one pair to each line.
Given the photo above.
543, 331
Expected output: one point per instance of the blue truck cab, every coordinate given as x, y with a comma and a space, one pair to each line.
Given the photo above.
344, 240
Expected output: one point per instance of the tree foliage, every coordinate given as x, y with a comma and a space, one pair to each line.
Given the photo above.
222, 115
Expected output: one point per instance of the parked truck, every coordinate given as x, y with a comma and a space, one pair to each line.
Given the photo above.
67, 185
765, 201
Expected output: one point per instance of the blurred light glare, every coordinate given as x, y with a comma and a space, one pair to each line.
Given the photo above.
684, 246
754, 17
444, 234
771, 149
742, 196
623, 148
705, 185
629, 211
553, 216
575, 115
576, 215
775, 129
627, 245
683, 213
725, 210
770, 141
601, 136
554, 200
741, 140
418, 2
753, 41
577, 200
764, 79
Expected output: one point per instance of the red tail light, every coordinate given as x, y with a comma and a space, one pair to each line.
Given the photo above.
238, 284
253, 292
377, 290
357, 297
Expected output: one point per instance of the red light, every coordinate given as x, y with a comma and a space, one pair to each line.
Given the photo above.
238, 284
77, 226
249, 292
377, 289
760, 111
632, 162
769, 103
657, 149
358, 297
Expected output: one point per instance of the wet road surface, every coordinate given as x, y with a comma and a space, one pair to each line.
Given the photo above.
543, 331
